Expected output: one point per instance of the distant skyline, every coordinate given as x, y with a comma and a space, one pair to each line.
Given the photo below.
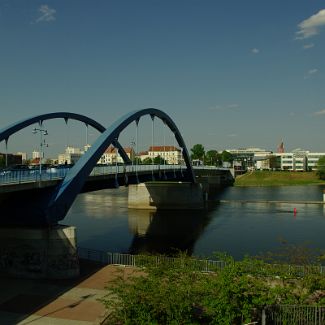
230, 73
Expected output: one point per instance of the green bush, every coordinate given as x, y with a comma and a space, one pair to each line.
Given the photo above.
177, 294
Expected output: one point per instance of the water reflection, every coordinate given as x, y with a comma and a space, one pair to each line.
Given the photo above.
102, 204
104, 222
166, 231
274, 193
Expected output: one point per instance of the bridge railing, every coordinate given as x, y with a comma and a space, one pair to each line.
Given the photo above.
120, 169
205, 265
34, 175
53, 173
108, 258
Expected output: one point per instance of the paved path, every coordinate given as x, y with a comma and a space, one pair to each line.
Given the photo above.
58, 302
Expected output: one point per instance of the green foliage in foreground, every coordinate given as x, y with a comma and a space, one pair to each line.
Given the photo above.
176, 294
277, 178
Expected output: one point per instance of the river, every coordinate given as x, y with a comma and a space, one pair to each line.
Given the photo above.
105, 223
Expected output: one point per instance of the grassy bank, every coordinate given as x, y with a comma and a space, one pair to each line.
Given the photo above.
277, 178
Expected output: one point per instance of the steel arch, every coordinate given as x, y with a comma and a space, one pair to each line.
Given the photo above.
67, 191
5, 133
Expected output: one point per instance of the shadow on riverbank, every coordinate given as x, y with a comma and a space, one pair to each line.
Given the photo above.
24, 301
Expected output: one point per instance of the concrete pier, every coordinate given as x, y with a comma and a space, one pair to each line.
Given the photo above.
39, 252
166, 195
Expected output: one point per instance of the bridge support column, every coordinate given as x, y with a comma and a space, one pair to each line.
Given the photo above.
166, 195
210, 184
39, 252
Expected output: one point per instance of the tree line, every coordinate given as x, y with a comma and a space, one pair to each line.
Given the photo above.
210, 157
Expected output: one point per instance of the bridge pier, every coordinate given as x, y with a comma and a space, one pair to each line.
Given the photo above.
212, 184
39, 252
167, 195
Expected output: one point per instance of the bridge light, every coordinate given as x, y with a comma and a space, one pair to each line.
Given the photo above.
42, 133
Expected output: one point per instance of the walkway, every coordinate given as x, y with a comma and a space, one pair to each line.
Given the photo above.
58, 302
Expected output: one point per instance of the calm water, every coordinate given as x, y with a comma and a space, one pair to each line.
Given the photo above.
103, 222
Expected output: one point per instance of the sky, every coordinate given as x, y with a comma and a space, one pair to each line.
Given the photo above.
230, 73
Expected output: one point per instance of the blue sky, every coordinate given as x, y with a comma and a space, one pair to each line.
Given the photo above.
230, 73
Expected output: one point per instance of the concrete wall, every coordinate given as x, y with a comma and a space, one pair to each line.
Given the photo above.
166, 195
39, 252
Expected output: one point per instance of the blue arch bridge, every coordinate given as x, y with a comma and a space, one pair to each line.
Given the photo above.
33, 206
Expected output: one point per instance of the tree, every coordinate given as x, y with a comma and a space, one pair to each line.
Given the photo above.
28, 161
321, 167
2, 162
227, 156
137, 161
198, 152
212, 158
159, 161
147, 161
48, 161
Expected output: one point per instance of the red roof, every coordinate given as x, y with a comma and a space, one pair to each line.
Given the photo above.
163, 148
112, 150
35, 161
128, 150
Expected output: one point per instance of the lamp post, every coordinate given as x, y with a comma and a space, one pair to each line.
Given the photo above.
132, 155
42, 144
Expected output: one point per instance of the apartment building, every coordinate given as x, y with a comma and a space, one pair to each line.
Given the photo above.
298, 160
70, 156
313, 158
295, 161
111, 156
171, 154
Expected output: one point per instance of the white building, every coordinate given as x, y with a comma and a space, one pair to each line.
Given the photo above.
295, 161
313, 158
250, 158
257, 152
299, 160
23, 156
170, 154
111, 156
70, 156
36, 154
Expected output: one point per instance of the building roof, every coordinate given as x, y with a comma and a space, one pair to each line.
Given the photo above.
112, 150
163, 148
35, 161
128, 149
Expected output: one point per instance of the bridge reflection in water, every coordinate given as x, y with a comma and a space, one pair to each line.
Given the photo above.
166, 232
105, 223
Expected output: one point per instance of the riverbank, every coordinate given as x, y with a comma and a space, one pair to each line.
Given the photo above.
277, 178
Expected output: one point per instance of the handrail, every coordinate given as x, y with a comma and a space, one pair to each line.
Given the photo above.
32, 175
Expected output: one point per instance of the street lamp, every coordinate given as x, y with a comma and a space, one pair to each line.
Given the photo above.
132, 154
42, 132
